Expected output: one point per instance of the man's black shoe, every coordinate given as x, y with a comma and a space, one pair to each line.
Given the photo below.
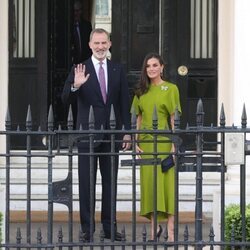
86, 237
118, 236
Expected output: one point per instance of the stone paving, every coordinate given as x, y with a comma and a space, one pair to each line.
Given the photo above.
127, 226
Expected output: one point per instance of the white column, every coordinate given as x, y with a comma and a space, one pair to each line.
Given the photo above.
234, 87
3, 66
233, 58
226, 57
3, 92
242, 55
241, 89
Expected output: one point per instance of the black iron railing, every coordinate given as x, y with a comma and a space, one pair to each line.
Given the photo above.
60, 142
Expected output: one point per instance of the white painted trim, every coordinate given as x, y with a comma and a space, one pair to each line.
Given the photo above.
3, 67
226, 57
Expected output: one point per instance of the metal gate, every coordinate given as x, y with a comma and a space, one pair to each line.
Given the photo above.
232, 148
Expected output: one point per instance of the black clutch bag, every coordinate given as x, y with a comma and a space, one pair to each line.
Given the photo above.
167, 163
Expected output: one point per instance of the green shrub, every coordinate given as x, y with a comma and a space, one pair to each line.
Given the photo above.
1, 217
233, 222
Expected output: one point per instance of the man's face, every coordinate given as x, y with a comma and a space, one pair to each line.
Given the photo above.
77, 13
100, 45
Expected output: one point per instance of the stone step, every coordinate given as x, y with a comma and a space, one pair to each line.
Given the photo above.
39, 174
39, 181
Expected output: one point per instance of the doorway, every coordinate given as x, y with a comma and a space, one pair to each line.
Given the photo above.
183, 31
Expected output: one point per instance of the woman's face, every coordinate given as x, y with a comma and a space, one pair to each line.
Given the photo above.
154, 68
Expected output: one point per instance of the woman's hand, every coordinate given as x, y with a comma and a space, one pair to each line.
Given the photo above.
80, 77
126, 142
138, 151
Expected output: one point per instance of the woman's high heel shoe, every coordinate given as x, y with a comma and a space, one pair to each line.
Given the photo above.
158, 235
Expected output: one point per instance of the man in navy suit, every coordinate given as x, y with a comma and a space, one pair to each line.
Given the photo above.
80, 35
80, 50
100, 83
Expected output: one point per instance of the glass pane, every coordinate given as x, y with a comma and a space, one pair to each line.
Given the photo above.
201, 28
14, 29
210, 28
197, 28
19, 28
32, 29
24, 28
102, 8
204, 38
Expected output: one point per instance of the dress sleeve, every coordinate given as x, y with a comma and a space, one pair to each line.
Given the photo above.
174, 100
135, 106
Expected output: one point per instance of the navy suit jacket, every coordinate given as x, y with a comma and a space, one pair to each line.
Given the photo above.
90, 94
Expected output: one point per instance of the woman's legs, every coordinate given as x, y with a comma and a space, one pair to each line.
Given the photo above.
159, 229
171, 228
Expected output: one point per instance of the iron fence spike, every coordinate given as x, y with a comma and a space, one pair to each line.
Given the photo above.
29, 119
70, 118
123, 232
199, 113
211, 234
60, 235
222, 116
18, 236
112, 119
39, 236
144, 233
50, 118
91, 118
186, 233
102, 235
176, 118
133, 119
7, 120
244, 117
155, 118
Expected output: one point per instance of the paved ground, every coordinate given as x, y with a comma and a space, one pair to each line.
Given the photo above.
128, 229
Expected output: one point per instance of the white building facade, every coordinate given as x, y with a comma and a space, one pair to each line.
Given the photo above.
233, 74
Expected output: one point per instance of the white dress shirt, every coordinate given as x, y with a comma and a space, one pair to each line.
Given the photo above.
96, 64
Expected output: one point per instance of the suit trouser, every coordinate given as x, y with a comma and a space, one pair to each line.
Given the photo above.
84, 185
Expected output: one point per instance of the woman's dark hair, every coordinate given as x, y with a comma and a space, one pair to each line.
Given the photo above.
143, 85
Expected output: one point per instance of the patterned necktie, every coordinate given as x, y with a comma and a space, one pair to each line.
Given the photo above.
102, 82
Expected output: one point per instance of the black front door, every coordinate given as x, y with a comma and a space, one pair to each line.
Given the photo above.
135, 32
40, 57
60, 21
61, 47
185, 33
28, 86
195, 67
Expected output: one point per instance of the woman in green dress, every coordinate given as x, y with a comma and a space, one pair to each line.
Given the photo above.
153, 91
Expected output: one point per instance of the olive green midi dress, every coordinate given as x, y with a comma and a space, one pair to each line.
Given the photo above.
165, 97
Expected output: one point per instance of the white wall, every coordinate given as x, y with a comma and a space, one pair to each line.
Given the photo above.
234, 54
242, 56
4, 89
226, 57
3, 67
